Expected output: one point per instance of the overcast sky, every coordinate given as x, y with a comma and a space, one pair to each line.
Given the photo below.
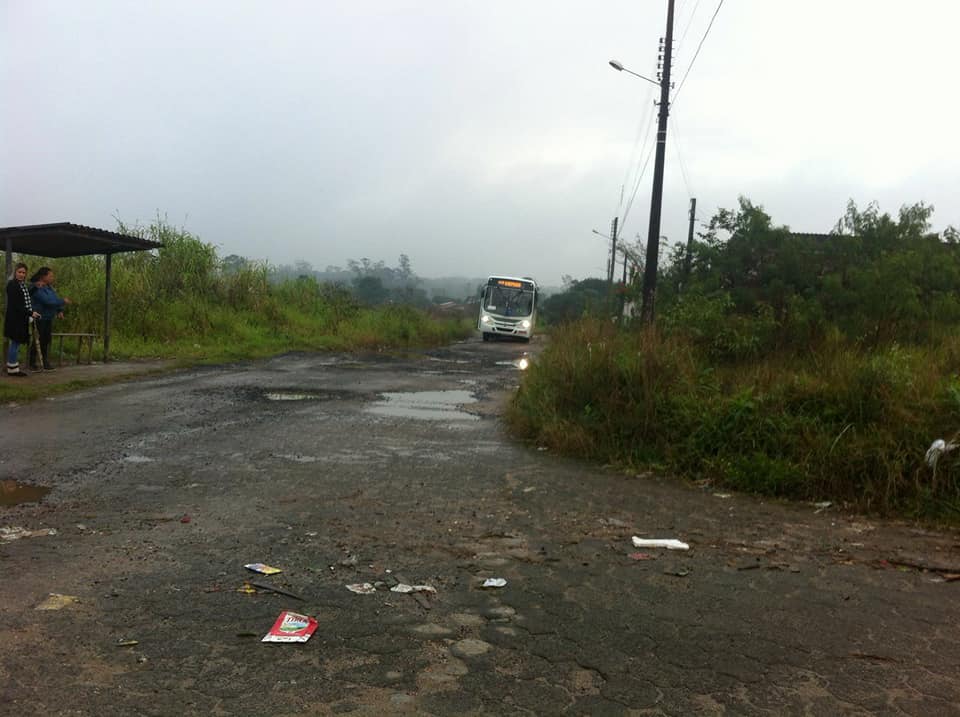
476, 137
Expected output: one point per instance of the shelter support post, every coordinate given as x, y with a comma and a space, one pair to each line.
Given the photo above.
106, 312
9, 247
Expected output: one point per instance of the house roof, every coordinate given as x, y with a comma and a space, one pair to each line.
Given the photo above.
67, 239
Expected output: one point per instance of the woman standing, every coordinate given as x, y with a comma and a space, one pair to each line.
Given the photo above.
49, 305
16, 322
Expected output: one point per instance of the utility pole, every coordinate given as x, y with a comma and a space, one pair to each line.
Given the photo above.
656, 199
613, 259
623, 295
688, 257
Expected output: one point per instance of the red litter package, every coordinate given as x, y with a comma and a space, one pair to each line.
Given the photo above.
291, 627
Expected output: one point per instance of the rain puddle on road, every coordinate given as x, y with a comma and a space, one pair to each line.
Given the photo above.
14, 493
426, 405
281, 396
522, 363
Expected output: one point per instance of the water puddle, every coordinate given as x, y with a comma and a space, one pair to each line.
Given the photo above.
14, 493
522, 363
426, 405
280, 396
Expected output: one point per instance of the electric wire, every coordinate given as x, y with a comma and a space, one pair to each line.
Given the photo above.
643, 130
686, 29
695, 54
636, 186
683, 165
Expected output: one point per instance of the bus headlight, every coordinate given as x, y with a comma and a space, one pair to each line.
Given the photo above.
525, 324
485, 318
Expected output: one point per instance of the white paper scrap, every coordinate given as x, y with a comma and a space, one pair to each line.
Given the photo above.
668, 543
494, 583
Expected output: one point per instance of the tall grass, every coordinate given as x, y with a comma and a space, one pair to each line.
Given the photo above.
843, 423
182, 302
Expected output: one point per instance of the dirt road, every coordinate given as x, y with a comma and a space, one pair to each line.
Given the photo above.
343, 470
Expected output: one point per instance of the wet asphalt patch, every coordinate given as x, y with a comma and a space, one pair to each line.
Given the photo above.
15, 493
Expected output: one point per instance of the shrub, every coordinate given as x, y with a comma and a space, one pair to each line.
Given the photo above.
845, 422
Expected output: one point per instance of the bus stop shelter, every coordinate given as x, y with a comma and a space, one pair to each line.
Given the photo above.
65, 239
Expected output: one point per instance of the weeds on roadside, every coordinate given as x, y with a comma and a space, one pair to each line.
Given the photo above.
842, 422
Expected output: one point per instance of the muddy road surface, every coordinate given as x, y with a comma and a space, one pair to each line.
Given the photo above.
344, 470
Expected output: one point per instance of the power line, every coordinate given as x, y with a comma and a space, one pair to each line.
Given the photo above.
632, 175
690, 66
683, 165
683, 36
642, 132
636, 186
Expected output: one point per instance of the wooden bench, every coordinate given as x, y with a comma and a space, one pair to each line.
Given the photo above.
81, 338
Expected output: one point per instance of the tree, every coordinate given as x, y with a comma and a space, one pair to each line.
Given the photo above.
586, 297
370, 289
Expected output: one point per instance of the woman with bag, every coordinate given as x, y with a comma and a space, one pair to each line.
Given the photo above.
16, 321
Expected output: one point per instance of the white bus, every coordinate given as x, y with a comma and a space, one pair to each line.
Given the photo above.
508, 307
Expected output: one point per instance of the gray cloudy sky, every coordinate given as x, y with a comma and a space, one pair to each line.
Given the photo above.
477, 137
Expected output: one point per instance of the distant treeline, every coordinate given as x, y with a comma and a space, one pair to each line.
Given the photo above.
751, 285
374, 282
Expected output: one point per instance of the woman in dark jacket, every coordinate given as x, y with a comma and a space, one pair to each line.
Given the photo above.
16, 322
49, 305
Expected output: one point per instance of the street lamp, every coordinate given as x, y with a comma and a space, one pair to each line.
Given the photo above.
656, 198
620, 68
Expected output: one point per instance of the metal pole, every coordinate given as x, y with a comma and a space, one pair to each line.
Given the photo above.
688, 258
6, 341
106, 313
623, 295
613, 260
656, 199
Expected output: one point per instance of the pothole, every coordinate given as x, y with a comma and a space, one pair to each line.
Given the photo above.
426, 405
14, 493
283, 396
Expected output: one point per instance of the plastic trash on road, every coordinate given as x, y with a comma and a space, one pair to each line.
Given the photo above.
404, 588
362, 588
262, 569
494, 583
669, 544
291, 627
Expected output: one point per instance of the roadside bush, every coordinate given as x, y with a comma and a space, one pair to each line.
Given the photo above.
843, 423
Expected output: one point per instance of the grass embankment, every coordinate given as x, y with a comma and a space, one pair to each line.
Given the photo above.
841, 423
183, 303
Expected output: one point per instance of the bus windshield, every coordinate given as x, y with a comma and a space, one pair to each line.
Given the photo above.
509, 301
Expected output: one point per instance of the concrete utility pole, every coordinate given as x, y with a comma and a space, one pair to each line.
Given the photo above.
688, 257
613, 248
613, 260
623, 295
656, 199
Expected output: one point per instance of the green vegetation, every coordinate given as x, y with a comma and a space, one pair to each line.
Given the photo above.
790, 365
183, 302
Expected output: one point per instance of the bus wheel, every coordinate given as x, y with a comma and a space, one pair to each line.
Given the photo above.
486, 336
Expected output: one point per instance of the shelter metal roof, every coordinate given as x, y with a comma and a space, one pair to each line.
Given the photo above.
67, 239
